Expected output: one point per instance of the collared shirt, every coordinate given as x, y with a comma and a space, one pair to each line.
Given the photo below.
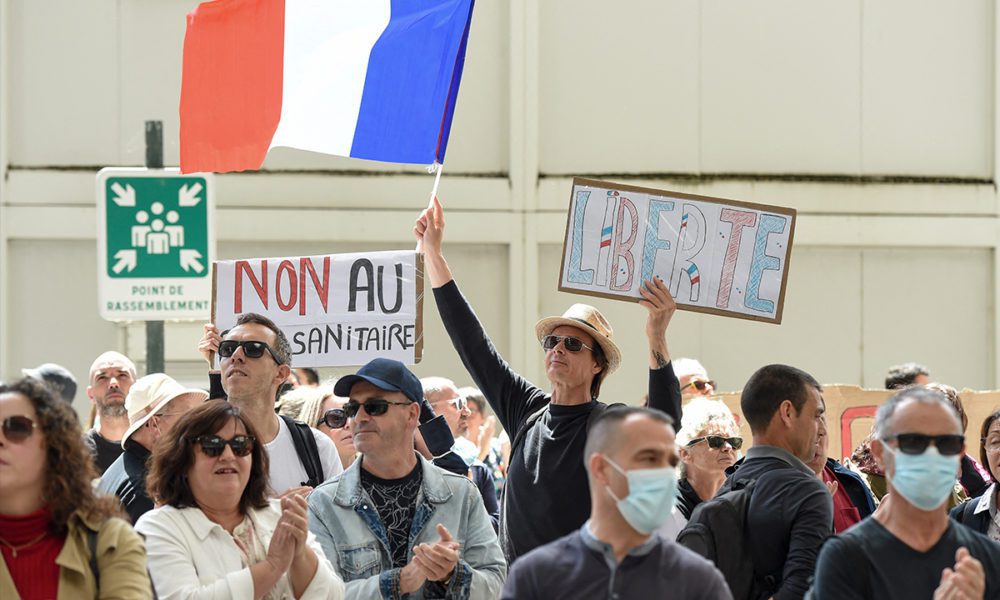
590, 540
789, 517
762, 451
192, 556
988, 502
581, 566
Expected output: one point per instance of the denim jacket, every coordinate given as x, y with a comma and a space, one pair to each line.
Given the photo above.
347, 525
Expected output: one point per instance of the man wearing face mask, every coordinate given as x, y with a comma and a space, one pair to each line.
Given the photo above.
910, 549
631, 463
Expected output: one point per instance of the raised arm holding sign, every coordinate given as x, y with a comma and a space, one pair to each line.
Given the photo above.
548, 430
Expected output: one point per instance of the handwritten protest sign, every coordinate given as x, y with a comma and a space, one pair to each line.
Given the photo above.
337, 310
716, 256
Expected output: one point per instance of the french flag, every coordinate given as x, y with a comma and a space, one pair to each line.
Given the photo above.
372, 79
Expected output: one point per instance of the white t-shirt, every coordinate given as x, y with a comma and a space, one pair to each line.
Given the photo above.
286, 468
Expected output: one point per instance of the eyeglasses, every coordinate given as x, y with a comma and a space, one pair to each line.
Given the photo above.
18, 428
916, 443
213, 445
717, 441
252, 348
991, 444
374, 407
335, 418
460, 403
571, 343
699, 384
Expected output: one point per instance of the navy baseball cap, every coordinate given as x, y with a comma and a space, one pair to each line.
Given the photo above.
385, 374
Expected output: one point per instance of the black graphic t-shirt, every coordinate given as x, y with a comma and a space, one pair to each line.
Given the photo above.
396, 501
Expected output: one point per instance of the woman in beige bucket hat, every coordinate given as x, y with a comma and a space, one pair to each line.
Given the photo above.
546, 495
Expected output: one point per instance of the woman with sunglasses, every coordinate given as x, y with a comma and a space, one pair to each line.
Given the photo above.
707, 444
216, 535
320, 408
983, 513
57, 538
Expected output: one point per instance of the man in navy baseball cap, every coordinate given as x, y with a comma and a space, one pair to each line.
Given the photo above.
386, 374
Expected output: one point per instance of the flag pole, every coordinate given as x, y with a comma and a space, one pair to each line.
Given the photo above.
437, 181
436, 167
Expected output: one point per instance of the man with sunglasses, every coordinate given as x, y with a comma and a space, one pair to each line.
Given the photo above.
443, 396
255, 359
910, 548
547, 430
693, 378
394, 524
111, 377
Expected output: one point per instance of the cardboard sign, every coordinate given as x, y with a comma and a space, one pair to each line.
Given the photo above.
337, 310
850, 416
716, 256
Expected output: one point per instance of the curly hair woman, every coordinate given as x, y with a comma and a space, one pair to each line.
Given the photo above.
57, 538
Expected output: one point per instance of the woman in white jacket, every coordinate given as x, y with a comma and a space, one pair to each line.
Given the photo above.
215, 534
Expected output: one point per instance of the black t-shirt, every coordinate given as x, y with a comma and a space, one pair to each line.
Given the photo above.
396, 501
895, 570
105, 452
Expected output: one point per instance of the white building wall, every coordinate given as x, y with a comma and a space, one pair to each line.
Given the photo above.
875, 119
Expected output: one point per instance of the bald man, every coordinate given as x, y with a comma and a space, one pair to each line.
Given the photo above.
631, 459
111, 378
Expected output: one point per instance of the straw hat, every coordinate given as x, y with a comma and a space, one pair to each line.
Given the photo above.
585, 318
149, 395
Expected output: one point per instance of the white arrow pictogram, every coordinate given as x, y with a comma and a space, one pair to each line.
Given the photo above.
189, 260
126, 259
124, 196
188, 196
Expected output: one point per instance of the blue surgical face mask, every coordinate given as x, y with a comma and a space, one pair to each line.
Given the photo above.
925, 480
651, 497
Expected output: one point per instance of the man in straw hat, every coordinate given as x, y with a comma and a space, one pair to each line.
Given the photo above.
154, 403
546, 495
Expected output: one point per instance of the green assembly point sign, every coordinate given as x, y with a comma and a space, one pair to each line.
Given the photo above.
155, 244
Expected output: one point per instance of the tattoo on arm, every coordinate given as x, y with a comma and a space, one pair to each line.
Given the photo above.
660, 361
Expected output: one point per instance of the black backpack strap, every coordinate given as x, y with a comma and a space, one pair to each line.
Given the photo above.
92, 546
306, 449
969, 512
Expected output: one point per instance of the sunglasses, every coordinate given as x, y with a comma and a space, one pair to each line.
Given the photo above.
374, 407
460, 403
213, 445
18, 428
717, 441
251, 348
335, 418
916, 443
699, 384
571, 343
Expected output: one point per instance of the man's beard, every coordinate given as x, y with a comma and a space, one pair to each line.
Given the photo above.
113, 411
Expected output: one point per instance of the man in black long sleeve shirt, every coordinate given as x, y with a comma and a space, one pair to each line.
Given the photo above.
546, 495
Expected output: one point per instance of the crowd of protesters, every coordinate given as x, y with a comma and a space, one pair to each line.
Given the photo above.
275, 484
